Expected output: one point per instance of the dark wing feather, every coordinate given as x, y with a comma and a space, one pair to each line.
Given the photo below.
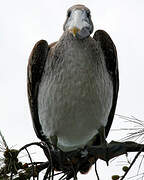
35, 69
110, 55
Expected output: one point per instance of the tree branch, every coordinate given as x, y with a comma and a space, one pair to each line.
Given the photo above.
115, 149
70, 163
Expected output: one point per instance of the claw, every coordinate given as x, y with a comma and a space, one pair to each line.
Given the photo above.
104, 143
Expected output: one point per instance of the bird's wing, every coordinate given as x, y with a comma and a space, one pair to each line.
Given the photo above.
110, 54
35, 70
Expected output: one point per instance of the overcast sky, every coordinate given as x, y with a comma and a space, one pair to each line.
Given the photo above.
23, 23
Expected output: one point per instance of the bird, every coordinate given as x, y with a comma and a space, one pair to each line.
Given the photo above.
73, 84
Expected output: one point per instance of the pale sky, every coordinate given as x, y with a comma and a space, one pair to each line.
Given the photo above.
23, 23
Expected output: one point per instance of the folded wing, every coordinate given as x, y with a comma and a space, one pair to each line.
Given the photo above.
35, 69
110, 54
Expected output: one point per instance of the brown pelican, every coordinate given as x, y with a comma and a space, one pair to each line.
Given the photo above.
73, 84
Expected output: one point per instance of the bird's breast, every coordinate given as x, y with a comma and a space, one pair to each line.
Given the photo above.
75, 95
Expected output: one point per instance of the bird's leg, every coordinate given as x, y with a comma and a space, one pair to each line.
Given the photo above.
53, 141
59, 153
102, 135
104, 142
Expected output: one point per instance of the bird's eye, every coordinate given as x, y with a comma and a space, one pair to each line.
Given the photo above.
69, 13
88, 14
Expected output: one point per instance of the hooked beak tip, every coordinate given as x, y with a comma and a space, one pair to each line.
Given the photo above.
74, 31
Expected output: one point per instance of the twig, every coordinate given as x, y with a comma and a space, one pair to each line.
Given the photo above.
62, 177
11, 176
31, 144
131, 165
52, 173
31, 162
3, 140
47, 172
39, 169
51, 162
140, 165
96, 172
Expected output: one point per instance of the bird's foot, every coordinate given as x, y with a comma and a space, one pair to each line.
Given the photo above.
104, 143
105, 147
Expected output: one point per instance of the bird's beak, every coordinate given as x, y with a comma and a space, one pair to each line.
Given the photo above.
74, 31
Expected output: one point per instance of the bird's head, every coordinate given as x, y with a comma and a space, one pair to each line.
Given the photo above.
79, 22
